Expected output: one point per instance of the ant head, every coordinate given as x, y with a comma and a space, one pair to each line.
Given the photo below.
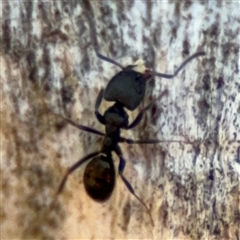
99, 178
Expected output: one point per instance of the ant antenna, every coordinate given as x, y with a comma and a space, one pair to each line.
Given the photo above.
109, 60
163, 75
180, 67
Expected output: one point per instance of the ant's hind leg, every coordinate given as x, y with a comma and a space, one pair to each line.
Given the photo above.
127, 183
99, 117
73, 168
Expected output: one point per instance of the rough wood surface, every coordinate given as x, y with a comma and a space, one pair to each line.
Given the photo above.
48, 64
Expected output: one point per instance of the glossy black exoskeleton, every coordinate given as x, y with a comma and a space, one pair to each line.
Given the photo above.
127, 90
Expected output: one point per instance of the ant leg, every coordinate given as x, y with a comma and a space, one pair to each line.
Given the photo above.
79, 126
109, 60
198, 54
149, 141
137, 120
140, 115
99, 117
73, 168
127, 184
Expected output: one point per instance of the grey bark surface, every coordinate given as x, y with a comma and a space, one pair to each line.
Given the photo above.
49, 64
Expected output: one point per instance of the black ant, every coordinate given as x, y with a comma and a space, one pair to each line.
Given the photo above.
126, 89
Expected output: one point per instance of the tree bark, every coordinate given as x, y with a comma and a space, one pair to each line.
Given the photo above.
49, 65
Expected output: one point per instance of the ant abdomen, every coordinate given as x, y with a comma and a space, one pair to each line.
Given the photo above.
99, 178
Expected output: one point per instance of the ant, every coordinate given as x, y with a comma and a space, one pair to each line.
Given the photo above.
127, 90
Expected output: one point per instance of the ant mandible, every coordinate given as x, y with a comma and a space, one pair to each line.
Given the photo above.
127, 90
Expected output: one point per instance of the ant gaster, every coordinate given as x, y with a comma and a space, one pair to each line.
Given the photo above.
127, 90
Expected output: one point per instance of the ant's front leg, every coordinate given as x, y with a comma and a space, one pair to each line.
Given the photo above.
141, 113
138, 119
99, 117
121, 167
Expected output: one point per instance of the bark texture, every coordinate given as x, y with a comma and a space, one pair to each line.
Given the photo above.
48, 64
